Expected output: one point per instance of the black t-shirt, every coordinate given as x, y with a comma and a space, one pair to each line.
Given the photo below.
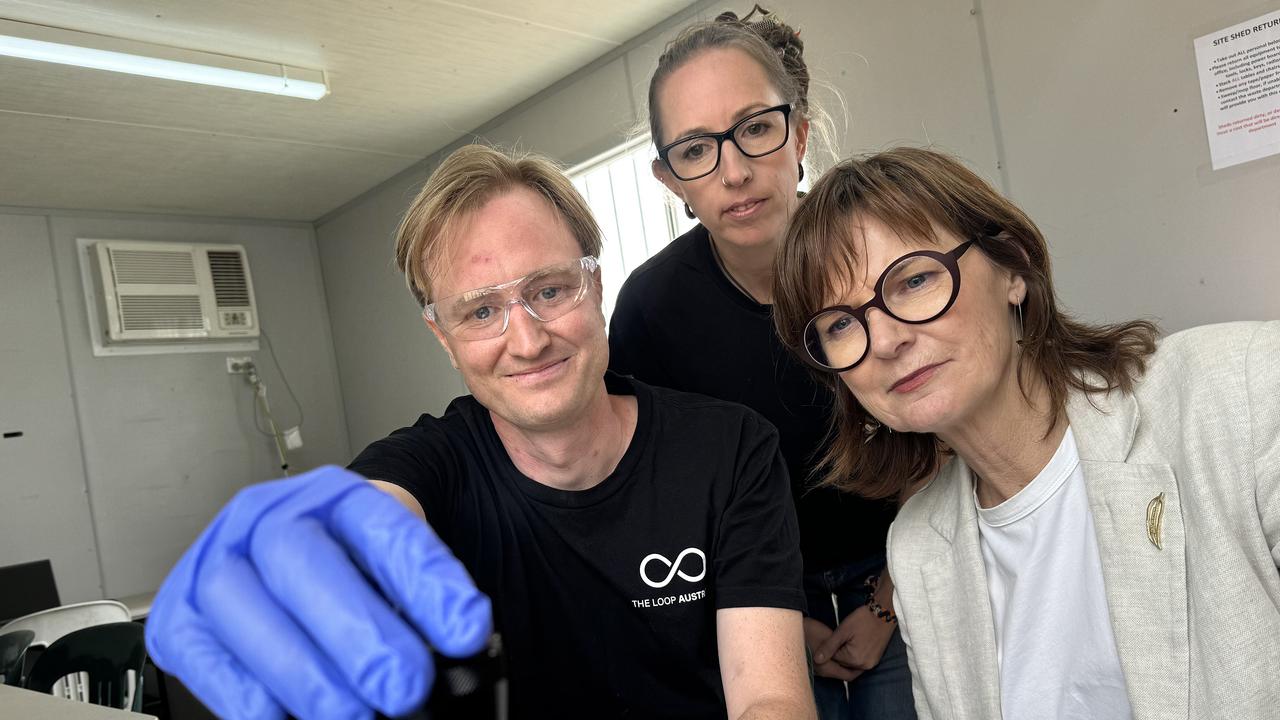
680, 323
606, 597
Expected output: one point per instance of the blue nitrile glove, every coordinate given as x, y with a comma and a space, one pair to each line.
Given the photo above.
269, 611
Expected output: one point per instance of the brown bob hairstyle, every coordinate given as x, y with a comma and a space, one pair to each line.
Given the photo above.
913, 191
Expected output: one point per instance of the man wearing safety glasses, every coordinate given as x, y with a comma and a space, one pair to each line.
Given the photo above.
635, 547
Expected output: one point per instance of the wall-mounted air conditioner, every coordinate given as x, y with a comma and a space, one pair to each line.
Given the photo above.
150, 292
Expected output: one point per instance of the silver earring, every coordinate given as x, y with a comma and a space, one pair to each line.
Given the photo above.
869, 430
1022, 328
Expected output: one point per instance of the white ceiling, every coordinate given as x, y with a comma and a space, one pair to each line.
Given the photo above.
406, 78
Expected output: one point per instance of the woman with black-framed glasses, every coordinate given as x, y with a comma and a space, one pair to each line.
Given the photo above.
1103, 537
697, 155
731, 121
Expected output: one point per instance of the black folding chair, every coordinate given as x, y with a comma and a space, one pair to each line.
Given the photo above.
112, 655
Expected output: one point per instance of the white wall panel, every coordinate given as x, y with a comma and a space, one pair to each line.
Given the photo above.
44, 507
1105, 139
168, 439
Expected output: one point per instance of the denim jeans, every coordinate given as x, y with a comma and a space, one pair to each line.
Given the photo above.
883, 692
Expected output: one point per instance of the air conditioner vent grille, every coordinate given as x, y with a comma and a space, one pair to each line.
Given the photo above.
160, 312
154, 267
230, 287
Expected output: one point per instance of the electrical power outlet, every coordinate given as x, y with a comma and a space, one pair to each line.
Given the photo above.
239, 365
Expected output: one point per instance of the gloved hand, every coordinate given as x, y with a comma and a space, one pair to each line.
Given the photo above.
288, 602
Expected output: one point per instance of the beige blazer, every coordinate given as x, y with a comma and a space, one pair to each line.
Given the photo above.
1194, 596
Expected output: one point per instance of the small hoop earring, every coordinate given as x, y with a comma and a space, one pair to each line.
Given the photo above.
801, 171
688, 211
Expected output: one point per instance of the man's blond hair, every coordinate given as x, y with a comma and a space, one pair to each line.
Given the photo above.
467, 179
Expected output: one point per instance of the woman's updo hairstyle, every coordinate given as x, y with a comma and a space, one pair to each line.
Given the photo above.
785, 41
762, 35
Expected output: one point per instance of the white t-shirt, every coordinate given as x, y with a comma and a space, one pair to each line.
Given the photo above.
1054, 644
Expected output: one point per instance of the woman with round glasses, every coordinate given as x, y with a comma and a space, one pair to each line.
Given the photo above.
1104, 542
730, 116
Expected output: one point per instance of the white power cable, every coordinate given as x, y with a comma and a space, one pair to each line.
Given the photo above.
260, 396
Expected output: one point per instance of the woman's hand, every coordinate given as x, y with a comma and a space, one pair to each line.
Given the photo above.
857, 644
816, 633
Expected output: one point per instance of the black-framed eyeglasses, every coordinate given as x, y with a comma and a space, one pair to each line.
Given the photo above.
755, 135
917, 288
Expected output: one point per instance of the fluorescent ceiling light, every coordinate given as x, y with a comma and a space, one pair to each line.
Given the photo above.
249, 75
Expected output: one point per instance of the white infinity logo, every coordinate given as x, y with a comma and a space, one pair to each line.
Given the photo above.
673, 567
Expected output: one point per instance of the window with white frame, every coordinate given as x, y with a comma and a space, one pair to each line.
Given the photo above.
632, 209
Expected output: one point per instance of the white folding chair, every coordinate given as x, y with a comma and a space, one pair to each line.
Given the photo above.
49, 625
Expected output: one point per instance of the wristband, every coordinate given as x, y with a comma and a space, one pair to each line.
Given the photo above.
872, 583
885, 615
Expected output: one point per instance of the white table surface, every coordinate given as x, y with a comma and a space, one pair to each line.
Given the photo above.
28, 705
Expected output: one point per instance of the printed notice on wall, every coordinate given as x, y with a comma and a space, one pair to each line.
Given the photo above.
1240, 85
